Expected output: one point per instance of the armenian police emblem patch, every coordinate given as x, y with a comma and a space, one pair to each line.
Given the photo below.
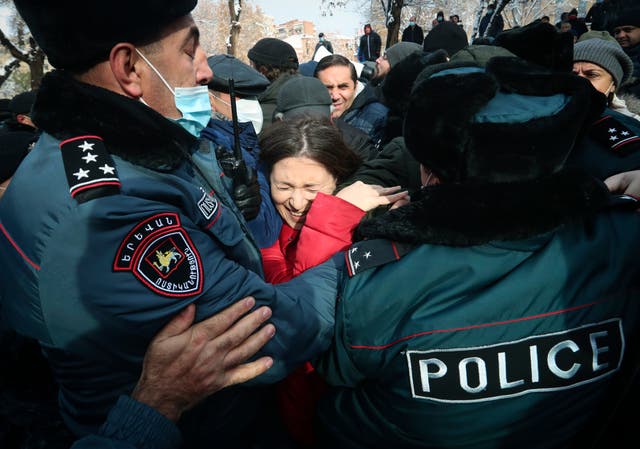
161, 255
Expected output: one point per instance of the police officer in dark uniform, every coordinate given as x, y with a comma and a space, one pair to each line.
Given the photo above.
121, 216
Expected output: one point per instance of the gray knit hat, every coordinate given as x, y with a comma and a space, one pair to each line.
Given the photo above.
398, 51
608, 55
303, 95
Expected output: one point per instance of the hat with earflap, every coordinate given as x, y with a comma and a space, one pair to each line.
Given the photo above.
77, 34
539, 43
508, 122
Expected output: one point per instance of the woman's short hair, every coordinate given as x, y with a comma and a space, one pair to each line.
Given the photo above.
311, 137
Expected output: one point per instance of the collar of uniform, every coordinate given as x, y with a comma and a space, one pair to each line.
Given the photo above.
66, 108
466, 215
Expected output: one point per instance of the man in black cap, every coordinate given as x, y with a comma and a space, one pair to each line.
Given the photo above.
277, 60
121, 216
248, 85
625, 27
323, 42
492, 23
20, 108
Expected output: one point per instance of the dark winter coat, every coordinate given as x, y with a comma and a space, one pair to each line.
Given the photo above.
370, 45
500, 328
413, 34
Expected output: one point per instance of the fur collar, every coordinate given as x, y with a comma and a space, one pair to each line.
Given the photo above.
465, 215
67, 108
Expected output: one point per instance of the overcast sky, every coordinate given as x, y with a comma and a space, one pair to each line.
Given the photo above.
344, 21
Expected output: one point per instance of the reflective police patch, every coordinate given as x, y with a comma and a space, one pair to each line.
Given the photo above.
539, 363
208, 206
160, 253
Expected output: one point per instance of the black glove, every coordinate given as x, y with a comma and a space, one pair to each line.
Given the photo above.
247, 196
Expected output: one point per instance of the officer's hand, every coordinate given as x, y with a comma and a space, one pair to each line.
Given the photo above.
247, 196
627, 182
185, 363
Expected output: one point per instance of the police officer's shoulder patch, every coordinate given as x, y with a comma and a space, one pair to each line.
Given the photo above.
90, 170
373, 253
159, 252
615, 136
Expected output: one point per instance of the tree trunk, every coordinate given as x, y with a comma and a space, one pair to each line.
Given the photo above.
235, 8
393, 28
36, 67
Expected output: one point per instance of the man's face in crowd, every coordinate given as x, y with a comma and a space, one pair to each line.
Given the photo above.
179, 59
628, 36
337, 80
367, 30
383, 66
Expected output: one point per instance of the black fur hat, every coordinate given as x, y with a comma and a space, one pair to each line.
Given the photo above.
511, 121
77, 34
540, 43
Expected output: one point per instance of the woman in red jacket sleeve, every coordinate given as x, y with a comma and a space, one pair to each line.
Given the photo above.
306, 159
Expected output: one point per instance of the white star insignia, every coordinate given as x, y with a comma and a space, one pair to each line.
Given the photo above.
367, 254
356, 264
86, 146
613, 138
625, 133
107, 169
354, 250
90, 158
612, 130
81, 174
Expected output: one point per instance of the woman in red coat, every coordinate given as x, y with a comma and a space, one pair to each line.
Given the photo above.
306, 159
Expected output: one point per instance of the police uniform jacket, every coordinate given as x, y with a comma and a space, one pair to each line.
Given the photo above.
482, 336
265, 228
115, 222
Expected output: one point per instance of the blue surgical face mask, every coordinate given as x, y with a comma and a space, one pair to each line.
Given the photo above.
412, 24
192, 102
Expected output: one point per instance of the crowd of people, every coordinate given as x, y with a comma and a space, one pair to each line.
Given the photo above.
203, 252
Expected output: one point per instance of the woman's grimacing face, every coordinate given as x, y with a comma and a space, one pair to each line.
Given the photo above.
598, 76
295, 182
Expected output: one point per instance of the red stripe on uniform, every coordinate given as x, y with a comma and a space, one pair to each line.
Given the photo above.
17, 248
476, 326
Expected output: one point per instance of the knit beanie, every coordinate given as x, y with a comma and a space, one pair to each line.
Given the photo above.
77, 34
397, 52
608, 55
446, 36
274, 52
597, 34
